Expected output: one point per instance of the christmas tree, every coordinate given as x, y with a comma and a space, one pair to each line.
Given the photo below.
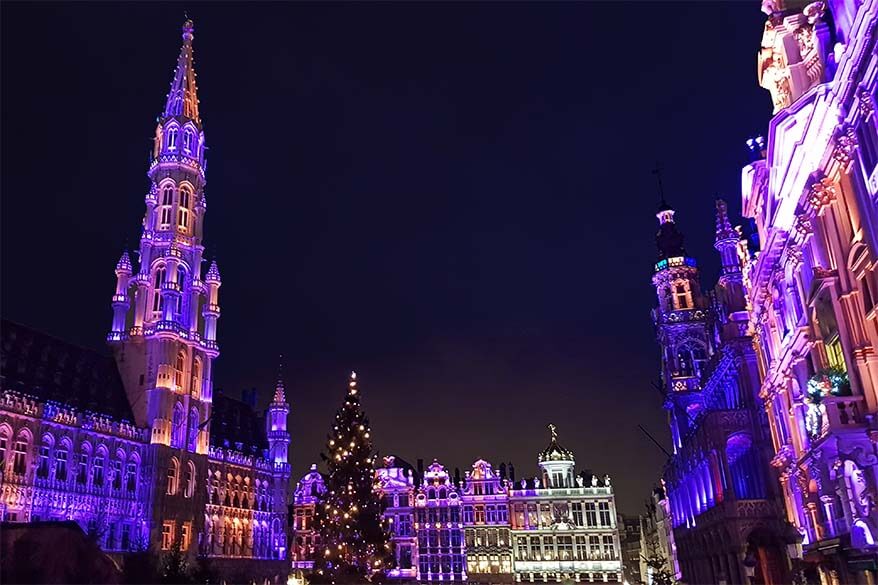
348, 518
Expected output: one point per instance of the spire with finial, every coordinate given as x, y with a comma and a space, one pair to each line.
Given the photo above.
183, 96
279, 394
213, 274
724, 230
124, 263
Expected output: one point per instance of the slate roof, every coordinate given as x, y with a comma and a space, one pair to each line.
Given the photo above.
48, 368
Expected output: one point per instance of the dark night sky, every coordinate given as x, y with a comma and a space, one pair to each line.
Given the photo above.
453, 199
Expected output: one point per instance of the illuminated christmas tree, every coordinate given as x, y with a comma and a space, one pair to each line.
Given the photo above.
349, 516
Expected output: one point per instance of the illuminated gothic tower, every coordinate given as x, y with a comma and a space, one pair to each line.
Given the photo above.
164, 340
276, 426
681, 320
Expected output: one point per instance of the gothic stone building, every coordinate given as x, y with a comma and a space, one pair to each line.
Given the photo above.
138, 448
723, 501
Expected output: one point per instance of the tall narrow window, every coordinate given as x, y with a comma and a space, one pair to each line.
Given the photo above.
173, 474
172, 139
178, 429
178, 371
190, 480
167, 535
193, 429
61, 464
681, 296
19, 461
82, 472
43, 467
834, 354
187, 141
183, 210
97, 476
157, 302
4, 447
167, 201
131, 477
117, 474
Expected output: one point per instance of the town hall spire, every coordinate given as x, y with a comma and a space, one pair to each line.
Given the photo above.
183, 96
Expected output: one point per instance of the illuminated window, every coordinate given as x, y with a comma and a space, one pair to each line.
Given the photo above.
604, 509
187, 141
565, 548
19, 458
681, 295
591, 516
835, 355
61, 464
97, 475
173, 475
609, 548
190, 480
581, 551
157, 301
172, 139
594, 547
178, 371
193, 429
43, 467
117, 475
167, 535
4, 447
183, 210
131, 477
167, 201
185, 531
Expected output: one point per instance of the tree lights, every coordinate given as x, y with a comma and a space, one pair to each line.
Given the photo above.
349, 521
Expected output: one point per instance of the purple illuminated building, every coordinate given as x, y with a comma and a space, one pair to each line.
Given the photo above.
723, 500
485, 528
812, 192
142, 451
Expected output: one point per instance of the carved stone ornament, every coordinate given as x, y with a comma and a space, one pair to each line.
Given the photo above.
845, 146
867, 104
821, 194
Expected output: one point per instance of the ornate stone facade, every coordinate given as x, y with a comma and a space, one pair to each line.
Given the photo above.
722, 501
812, 290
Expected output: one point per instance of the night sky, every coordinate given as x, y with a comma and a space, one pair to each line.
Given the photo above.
455, 200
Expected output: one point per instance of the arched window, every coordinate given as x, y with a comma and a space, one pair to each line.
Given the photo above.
131, 475
179, 365
187, 141
45, 451
157, 302
193, 429
173, 476
195, 388
61, 455
165, 209
19, 456
178, 426
5, 436
172, 138
190, 480
82, 468
97, 468
183, 210
118, 465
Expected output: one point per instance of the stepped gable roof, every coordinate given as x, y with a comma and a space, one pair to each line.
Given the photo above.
50, 369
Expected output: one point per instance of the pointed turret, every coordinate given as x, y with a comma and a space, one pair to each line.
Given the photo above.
213, 274
183, 96
124, 263
276, 422
727, 238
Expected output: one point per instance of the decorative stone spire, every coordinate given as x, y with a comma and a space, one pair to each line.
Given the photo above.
279, 394
183, 96
213, 274
724, 230
124, 263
